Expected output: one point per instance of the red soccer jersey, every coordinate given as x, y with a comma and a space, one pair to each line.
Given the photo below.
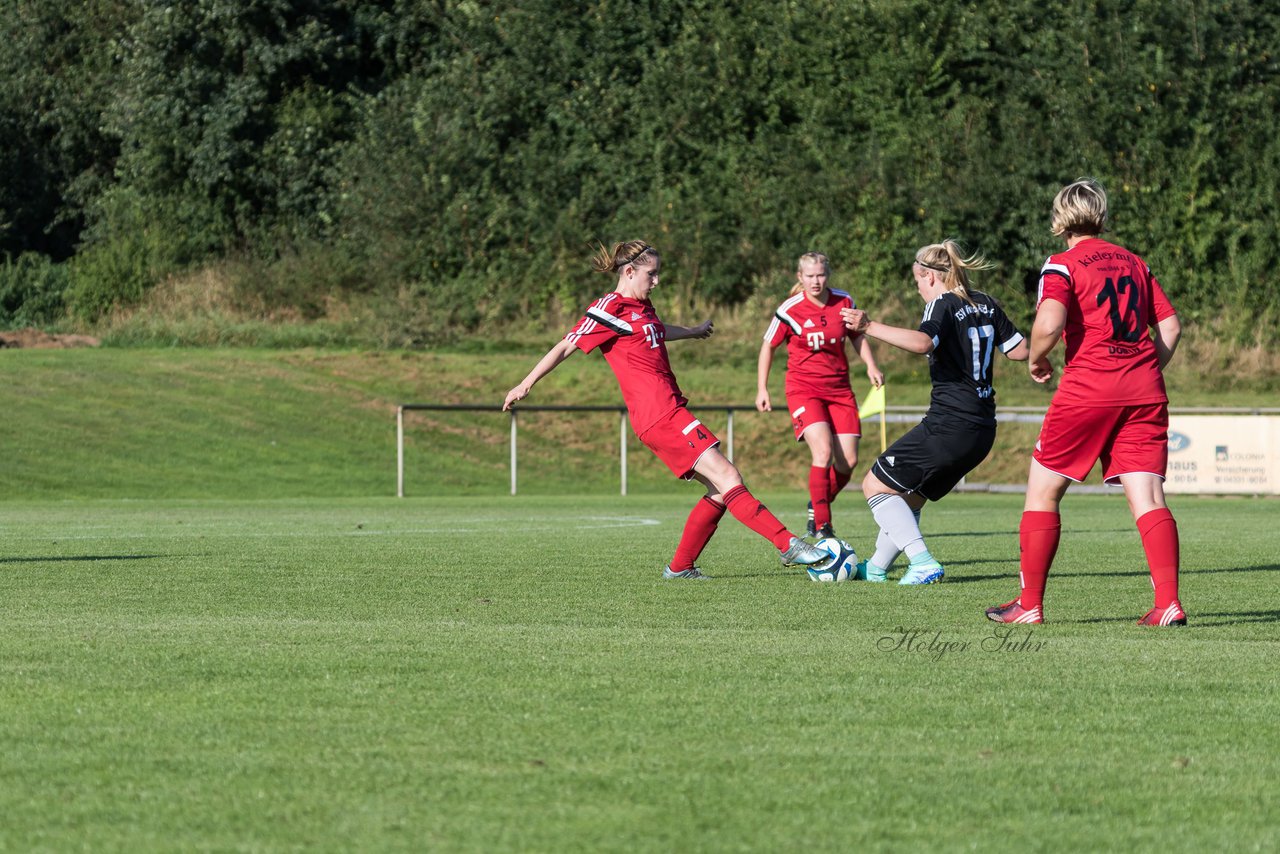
816, 362
1112, 302
633, 341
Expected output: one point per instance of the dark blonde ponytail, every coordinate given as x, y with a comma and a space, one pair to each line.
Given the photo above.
611, 260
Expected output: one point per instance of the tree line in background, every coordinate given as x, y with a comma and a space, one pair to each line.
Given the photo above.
454, 159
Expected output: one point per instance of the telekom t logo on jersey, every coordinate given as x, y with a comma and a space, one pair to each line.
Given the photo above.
816, 340
654, 333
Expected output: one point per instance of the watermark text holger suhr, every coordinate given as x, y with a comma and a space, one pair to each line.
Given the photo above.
932, 644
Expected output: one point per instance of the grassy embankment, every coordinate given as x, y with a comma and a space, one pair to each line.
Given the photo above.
122, 422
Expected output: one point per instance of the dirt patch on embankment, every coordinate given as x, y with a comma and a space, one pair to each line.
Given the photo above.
36, 338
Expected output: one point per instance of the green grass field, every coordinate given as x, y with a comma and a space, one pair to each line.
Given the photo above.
496, 673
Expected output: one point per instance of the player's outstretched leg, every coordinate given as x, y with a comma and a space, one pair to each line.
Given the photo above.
723, 478
749, 511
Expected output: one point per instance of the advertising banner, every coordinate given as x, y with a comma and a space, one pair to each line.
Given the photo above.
1224, 454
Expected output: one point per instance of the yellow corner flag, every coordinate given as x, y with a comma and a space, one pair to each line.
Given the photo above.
873, 403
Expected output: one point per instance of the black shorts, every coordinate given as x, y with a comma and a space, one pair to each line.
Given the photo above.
934, 456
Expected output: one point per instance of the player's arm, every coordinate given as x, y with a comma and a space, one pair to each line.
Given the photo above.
1168, 332
763, 365
868, 357
702, 330
1020, 352
557, 354
1046, 332
911, 340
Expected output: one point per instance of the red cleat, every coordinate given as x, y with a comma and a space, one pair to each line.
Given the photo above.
1170, 615
1013, 612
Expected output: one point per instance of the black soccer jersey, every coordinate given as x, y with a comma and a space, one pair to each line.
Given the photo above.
965, 337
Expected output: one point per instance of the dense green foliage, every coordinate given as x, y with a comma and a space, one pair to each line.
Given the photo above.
452, 160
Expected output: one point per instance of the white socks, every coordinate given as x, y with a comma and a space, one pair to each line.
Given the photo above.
899, 529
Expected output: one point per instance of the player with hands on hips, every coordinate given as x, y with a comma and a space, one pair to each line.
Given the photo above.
960, 330
1110, 405
625, 327
824, 411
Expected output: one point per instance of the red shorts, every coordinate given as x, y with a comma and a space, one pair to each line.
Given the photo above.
842, 415
1128, 440
679, 439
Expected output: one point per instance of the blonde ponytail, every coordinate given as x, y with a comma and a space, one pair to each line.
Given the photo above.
949, 259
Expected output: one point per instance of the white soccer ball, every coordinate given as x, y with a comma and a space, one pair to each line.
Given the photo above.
843, 564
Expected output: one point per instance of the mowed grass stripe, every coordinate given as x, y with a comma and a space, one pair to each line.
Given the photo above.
278, 680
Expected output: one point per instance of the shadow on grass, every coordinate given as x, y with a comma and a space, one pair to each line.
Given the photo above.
1267, 568
1126, 573
956, 576
1204, 620
1014, 532
78, 558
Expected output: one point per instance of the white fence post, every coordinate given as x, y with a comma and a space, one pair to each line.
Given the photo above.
513, 452
622, 451
399, 452
729, 430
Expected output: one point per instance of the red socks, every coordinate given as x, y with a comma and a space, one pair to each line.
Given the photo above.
820, 495
825, 484
1159, 534
750, 512
1038, 536
839, 480
702, 523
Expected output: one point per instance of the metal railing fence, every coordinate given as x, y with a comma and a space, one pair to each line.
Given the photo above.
893, 415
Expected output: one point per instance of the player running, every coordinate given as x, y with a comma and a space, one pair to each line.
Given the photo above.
1110, 404
960, 330
824, 412
625, 327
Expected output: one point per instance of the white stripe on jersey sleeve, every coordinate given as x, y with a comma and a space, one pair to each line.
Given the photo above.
617, 324
773, 327
1011, 343
588, 325
1048, 268
783, 314
587, 328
